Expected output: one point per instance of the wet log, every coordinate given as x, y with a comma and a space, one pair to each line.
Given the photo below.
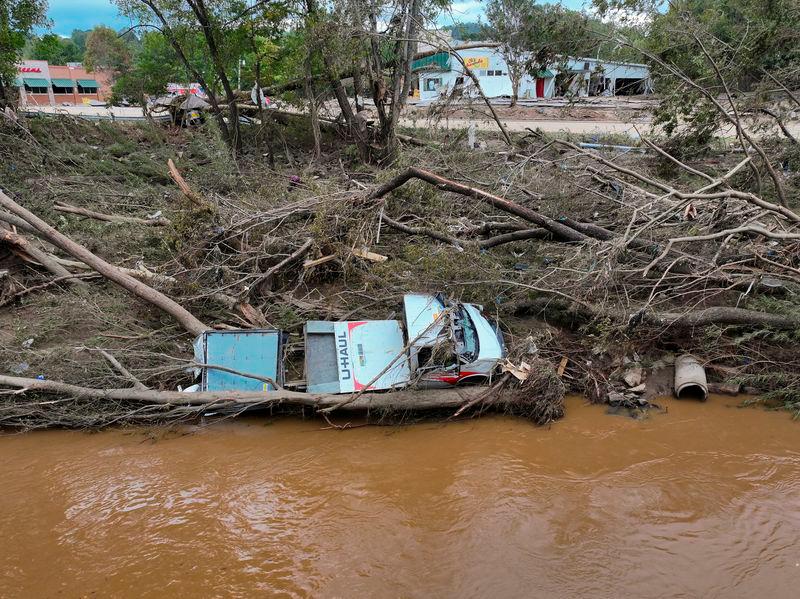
552, 304
397, 400
111, 272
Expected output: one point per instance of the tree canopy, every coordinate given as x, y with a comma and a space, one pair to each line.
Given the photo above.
55, 49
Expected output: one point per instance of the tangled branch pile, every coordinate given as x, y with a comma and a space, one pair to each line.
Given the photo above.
594, 256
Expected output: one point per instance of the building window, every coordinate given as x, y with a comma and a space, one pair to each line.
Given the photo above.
431, 85
495, 73
87, 86
61, 90
459, 81
36, 85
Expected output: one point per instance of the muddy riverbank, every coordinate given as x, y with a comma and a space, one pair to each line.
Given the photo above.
701, 501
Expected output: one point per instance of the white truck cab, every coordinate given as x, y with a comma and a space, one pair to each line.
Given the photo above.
441, 343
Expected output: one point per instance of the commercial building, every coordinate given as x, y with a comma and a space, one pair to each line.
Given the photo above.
440, 74
43, 84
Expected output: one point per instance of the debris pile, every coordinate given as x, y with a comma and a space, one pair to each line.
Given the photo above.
594, 254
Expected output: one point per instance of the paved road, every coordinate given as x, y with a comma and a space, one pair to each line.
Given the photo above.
632, 129
548, 126
588, 127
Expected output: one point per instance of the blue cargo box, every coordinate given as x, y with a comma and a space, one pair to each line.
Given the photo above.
256, 351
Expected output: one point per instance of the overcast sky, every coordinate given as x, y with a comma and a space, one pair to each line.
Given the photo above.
67, 15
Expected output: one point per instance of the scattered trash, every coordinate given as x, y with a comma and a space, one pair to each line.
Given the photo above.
521, 372
20, 368
471, 136
28, 343
294, 181
371, 256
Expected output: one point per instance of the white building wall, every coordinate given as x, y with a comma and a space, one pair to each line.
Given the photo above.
489, 60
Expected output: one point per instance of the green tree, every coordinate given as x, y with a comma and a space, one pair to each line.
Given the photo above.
105, 50
55, 49
222, 26
17, 19
722, 62
535, 36
154, 65
78, 38
468, 32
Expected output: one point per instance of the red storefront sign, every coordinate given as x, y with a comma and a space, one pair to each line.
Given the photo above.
30, 70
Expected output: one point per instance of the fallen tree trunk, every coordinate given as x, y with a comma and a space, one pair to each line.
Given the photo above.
139, 289
22, 245
484, 244
145, 275
560, 231
398, 400
110, 218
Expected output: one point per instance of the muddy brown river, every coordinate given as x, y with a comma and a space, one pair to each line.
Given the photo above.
703, 501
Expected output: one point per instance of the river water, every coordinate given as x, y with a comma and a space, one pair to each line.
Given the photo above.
703, 501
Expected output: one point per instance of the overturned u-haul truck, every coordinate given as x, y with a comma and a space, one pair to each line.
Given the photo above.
440, 343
